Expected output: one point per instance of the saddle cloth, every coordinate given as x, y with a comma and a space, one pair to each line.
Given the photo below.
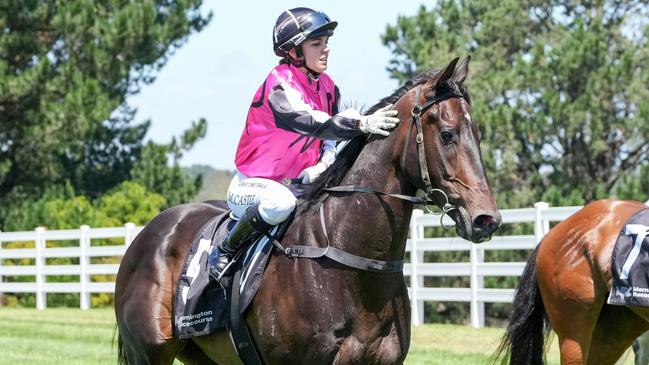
201, 304
630, 263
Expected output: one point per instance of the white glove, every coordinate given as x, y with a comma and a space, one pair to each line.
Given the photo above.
311, 173
380, 122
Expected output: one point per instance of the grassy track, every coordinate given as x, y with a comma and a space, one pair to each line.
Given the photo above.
75, 337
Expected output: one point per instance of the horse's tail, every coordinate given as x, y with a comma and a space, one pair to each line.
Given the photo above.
121, 354
525, 334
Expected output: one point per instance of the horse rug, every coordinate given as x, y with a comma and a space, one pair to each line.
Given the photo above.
630, 266
201, 303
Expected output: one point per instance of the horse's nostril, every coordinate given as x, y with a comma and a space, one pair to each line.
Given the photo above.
486, 223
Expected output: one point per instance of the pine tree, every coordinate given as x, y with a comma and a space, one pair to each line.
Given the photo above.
560, 89
66, 69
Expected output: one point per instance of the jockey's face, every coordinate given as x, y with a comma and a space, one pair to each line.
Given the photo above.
316, 52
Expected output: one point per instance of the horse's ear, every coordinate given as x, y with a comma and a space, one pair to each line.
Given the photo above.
461, 71
447, 73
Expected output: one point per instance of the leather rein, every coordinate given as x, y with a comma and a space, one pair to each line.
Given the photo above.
363, 263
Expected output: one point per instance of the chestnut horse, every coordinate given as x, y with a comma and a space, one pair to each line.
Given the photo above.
319, 311
566, 282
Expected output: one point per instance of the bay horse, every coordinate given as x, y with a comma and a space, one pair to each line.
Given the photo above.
565, 284
319, 311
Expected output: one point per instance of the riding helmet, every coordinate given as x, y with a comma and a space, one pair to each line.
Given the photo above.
294, 26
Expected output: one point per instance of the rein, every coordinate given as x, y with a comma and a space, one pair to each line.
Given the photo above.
362, 263
338, 255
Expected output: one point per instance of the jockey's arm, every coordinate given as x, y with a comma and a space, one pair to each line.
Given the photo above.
293, 114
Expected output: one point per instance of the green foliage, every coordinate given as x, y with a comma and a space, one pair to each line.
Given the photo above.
130, 202
172, 182
635, 186
62, 209
65, 73
559, 90
58, 208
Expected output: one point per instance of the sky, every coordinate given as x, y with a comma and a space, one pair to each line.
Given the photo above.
215, 74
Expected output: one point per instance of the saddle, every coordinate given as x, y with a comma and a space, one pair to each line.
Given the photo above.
630, 263
202, 305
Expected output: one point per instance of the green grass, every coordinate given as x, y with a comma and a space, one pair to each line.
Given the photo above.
72, 336
56, 336
440, 344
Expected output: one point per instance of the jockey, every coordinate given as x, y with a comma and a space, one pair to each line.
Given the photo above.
291, 130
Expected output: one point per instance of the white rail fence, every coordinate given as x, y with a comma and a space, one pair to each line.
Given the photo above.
39, 253
477, 269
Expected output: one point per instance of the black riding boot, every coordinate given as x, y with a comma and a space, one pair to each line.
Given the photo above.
250, 226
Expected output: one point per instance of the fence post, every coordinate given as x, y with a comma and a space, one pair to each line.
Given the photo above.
39, 244
416, 258
477, 283
84, 261
541, 226
129, 234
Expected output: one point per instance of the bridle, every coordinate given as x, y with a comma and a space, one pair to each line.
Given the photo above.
452, 91
417, 110
373, 265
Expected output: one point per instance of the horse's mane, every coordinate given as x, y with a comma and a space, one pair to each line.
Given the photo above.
346, 158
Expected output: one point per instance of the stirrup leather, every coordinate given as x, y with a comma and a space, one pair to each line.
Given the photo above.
249, 227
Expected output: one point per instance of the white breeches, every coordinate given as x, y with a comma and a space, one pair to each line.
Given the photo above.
276, 201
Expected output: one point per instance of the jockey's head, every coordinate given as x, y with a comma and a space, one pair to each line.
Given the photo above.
295, 26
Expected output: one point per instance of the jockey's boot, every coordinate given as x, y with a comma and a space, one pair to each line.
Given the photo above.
249, 227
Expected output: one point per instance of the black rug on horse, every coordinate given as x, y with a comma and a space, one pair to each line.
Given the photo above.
201, 304
630, 266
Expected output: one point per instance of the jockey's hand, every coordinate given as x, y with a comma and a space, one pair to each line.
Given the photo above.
311, 173
380, 122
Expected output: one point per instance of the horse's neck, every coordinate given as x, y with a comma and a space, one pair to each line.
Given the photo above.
378, 224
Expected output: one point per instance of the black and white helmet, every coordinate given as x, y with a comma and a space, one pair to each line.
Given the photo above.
294, 26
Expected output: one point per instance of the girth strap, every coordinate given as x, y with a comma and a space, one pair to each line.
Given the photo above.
344, 258
340, 256
241, 338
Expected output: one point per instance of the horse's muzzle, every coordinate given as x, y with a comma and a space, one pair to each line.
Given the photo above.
484, 225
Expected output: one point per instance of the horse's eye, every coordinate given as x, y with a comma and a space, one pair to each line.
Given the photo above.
447, 137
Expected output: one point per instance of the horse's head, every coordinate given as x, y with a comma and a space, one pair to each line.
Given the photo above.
441, 151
